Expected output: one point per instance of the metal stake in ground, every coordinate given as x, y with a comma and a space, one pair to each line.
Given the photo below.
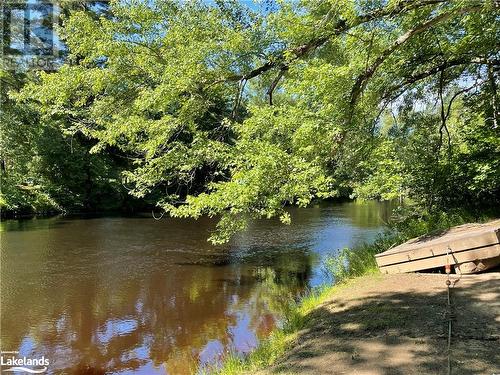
447, 269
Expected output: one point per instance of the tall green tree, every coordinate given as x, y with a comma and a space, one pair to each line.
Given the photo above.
45, 165
234, 111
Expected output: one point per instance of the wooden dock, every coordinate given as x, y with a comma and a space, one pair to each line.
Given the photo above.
469, 248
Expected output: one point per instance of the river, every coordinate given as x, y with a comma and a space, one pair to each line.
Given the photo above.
134, 295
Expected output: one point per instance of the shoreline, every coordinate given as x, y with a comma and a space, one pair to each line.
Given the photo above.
398, 324
349, 268
282, 339
386, 324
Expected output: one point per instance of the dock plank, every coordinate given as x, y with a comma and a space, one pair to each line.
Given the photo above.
465, 243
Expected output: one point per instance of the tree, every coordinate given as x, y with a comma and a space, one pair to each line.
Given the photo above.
45, 165
232, 111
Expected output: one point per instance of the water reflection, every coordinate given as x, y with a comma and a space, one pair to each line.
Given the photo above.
135, 295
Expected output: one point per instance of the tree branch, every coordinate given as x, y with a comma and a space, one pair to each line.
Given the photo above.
409, 80
340, 27
275, 83
363, 78
457, 94
239, 94
494, 99
443, 116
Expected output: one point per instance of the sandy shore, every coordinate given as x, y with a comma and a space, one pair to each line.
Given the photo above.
398, 324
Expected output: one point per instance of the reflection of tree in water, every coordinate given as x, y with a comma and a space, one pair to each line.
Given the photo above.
135, 294
111, 316
369, 214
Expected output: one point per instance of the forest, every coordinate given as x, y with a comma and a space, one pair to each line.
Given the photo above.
237, 110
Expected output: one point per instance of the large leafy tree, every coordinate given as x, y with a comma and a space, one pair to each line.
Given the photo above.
235, 110
44, 167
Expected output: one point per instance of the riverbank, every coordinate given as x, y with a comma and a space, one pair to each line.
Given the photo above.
389, 324
385, 306
398, 324
152, 279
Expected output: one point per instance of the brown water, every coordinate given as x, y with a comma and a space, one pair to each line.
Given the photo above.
135, 295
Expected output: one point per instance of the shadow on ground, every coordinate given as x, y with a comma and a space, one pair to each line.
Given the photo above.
398, 325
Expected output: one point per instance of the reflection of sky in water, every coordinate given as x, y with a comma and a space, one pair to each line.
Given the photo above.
142, 352
114, 328
136, 296
333, 237
211, 352
27, 347
242, 336
147, 369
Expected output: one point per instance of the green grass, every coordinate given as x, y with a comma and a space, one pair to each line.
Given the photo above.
270, 349
341, 267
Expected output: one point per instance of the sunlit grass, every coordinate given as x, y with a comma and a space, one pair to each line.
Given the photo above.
280, 340
349, 264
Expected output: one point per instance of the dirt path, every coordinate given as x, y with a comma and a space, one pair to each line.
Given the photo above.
397, 324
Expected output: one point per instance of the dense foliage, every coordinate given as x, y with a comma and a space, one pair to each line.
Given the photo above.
235, 109
46, 166
45, 169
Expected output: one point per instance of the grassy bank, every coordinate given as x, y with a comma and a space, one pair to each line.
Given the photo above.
281, 339
342, 267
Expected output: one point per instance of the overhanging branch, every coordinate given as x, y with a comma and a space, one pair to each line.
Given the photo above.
275, 83
363, 78
341, 26
395, 90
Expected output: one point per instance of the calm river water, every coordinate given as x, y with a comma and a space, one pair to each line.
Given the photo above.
138, 296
